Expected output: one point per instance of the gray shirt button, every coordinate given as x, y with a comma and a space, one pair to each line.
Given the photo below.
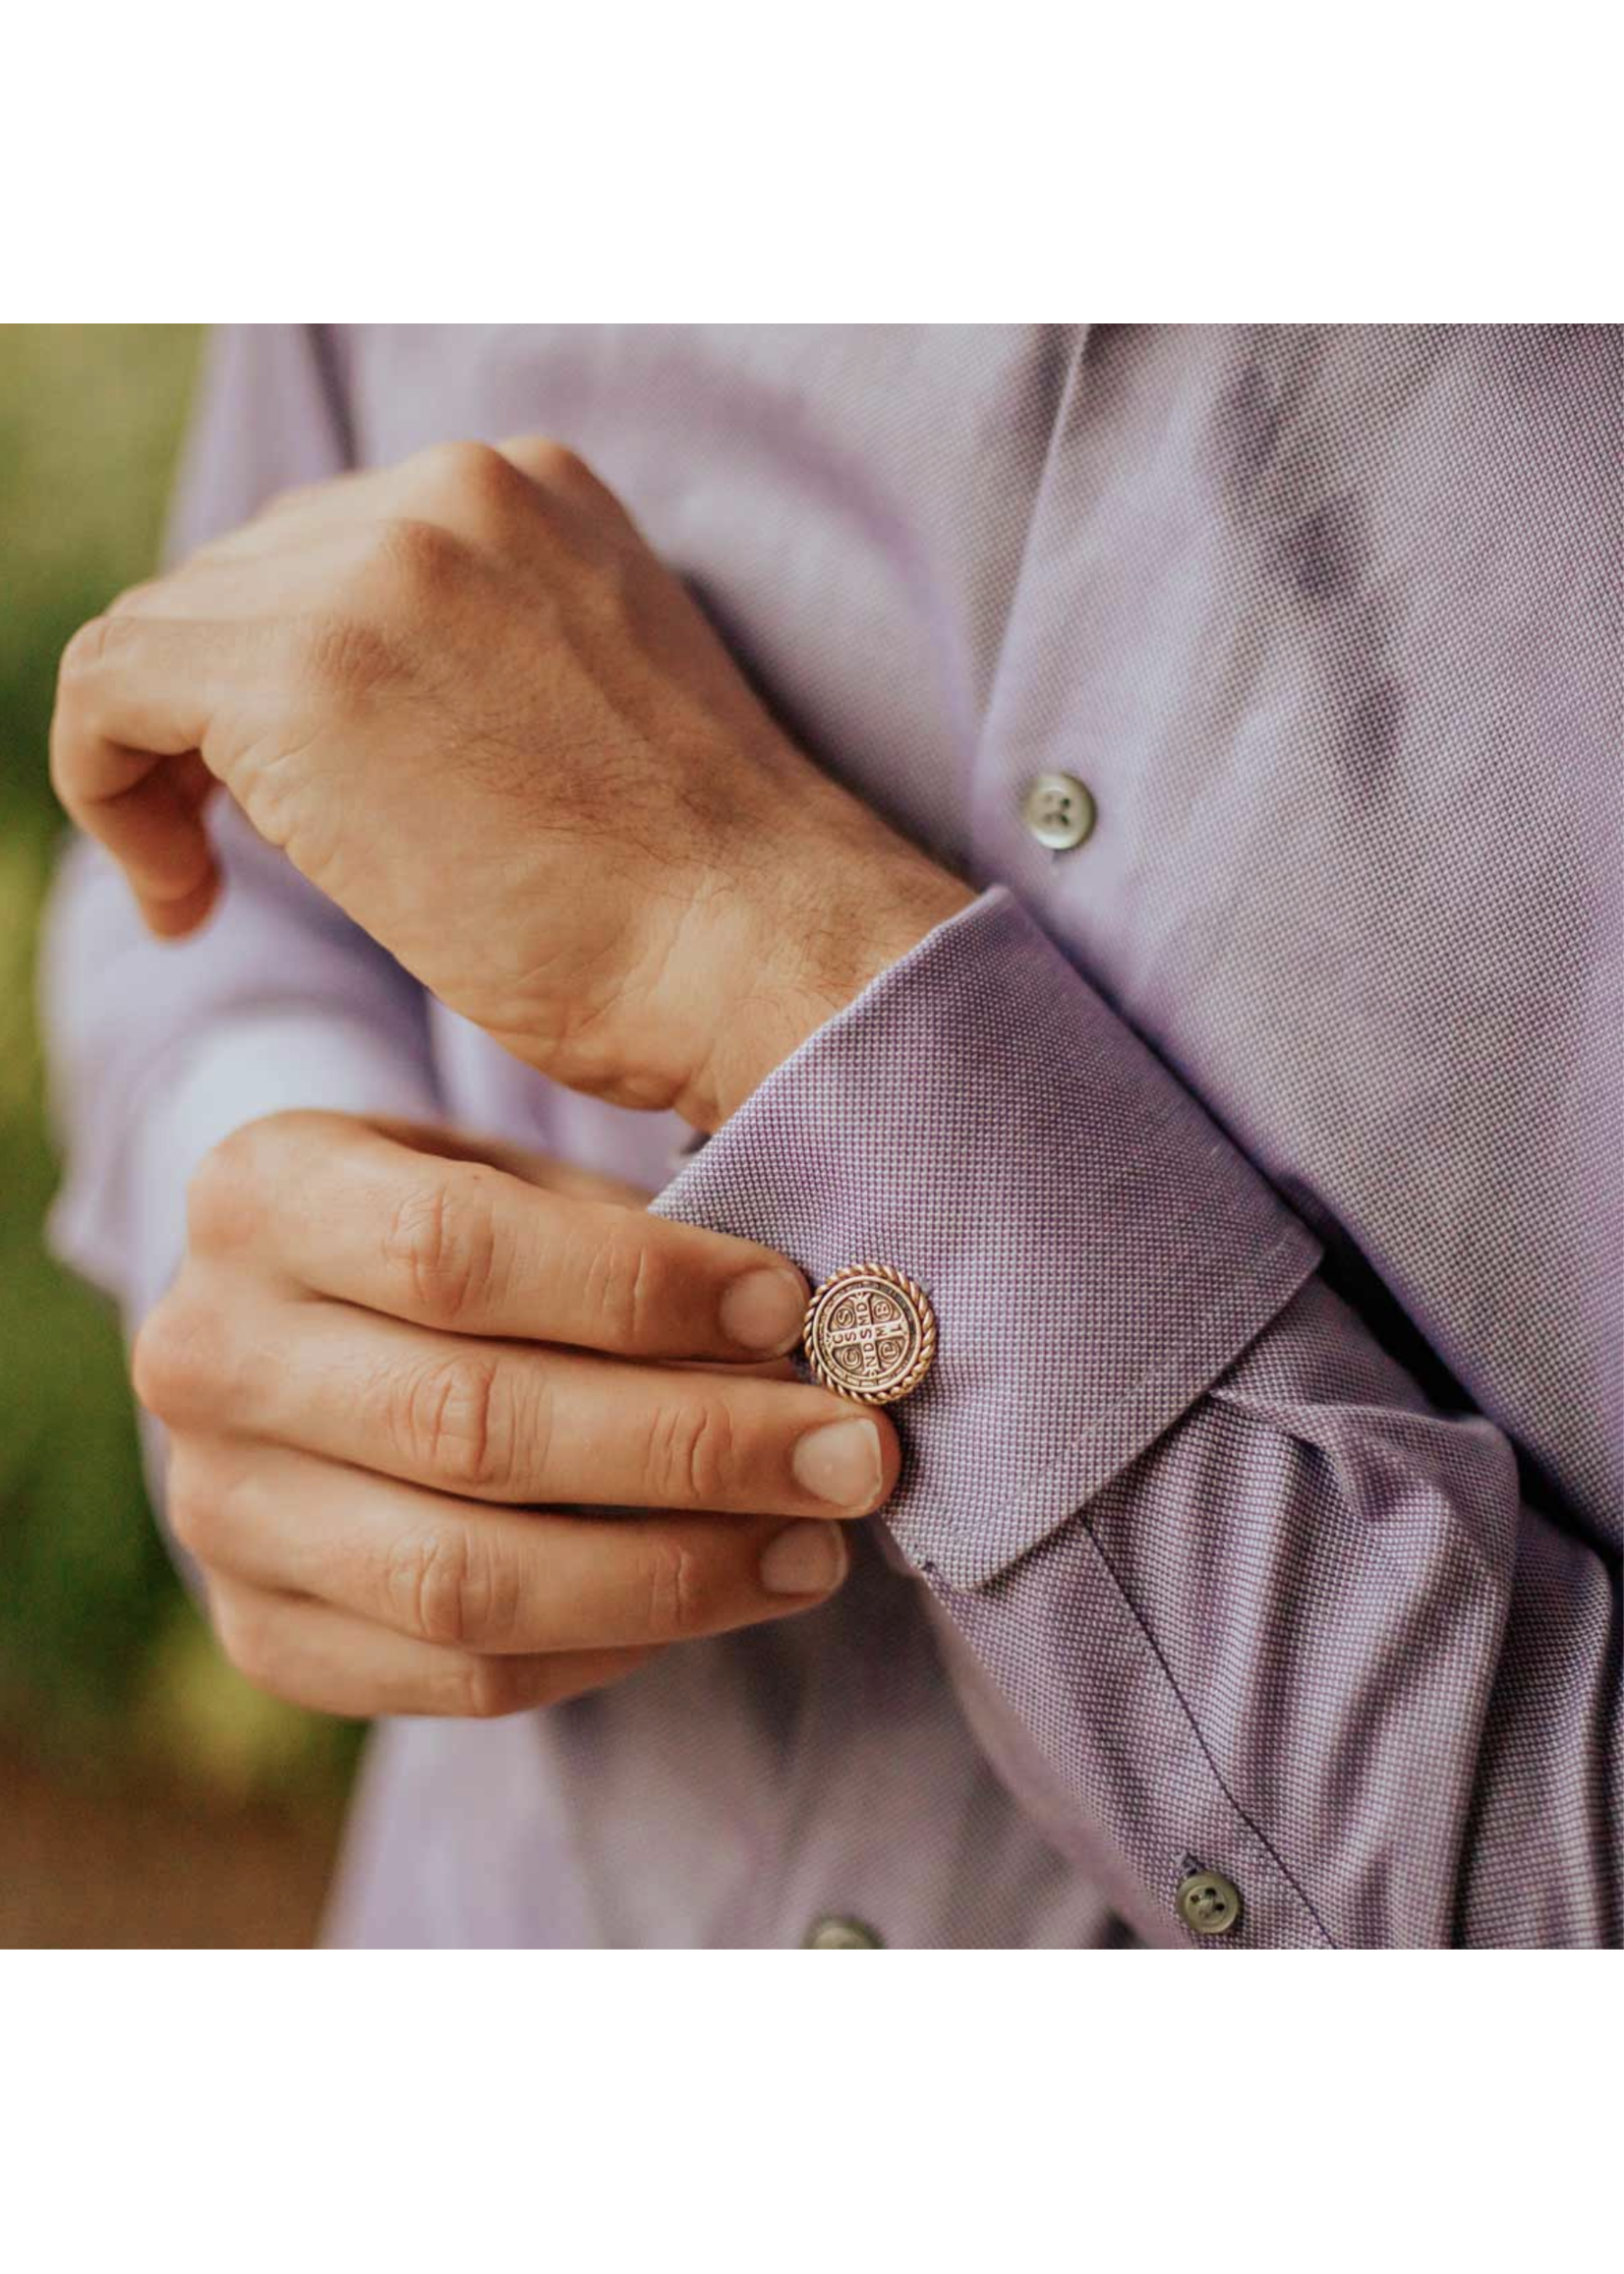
833, 1934
1208, 1902
1059, 810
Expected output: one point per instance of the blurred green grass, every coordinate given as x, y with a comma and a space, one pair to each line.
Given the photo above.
101, 1657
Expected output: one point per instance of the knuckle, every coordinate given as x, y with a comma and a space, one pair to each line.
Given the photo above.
92, 645
449, 1418
441, 1241
189, 1516
211, 1495
419, 560
552, 462
449, 1585
245, 1636
454, 463
692, 1453
190, 1505
681, 1595
628, 1285
225, 1194
177, 1366
471, 477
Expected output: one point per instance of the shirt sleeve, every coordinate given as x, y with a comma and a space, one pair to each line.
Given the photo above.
160, 1049
1247, 1602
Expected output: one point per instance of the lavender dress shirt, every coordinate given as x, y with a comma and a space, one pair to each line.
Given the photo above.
1261, 1154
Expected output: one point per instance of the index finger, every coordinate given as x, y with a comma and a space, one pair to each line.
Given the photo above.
125, 736
345, 1211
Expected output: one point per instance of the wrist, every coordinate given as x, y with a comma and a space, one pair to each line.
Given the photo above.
810, 967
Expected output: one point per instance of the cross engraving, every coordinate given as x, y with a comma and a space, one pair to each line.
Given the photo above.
870, 1334
867, 1337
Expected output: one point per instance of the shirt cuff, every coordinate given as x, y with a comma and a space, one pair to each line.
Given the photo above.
119, 1218
1096, 1251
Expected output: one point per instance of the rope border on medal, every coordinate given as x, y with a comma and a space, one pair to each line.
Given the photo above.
922, 1310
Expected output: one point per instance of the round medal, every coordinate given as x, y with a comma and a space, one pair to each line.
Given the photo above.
870, 1334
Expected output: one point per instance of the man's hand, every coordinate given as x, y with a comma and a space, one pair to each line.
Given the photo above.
479, 715
381, 1362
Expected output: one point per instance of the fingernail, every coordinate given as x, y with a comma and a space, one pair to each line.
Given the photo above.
839, 1463
763, 1311
805, 1559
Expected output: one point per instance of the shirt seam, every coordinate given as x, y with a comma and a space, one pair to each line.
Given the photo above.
1252, 1825
1142, 1384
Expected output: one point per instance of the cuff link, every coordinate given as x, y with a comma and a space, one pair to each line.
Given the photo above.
870, 1334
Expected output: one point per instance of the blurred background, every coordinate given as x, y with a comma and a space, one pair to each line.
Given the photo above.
147, 1795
